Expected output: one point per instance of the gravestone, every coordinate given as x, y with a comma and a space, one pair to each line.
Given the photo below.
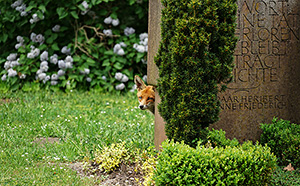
267, 68
266, 81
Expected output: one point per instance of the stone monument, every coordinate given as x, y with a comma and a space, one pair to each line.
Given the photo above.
266, 81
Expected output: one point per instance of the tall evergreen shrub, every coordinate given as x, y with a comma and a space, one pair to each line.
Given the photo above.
195, 55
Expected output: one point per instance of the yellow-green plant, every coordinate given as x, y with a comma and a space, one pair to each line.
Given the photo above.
109, 158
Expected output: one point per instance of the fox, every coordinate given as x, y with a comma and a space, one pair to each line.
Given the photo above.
145, 94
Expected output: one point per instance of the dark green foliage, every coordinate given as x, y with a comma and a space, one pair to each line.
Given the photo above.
195, 55
283, 138
282, 177
246, 165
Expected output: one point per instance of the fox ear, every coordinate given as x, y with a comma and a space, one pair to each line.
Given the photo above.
140, 85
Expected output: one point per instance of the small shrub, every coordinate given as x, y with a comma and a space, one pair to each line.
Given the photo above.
283, 138
248, 164
109, 158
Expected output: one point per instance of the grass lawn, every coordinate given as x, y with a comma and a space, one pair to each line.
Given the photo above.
74, 123
42, 132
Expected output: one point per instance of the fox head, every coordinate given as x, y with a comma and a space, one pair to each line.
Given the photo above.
146, 95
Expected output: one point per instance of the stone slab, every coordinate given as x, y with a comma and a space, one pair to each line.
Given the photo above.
267, 68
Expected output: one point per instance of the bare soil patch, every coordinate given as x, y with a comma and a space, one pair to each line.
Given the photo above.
42, 140
122, 176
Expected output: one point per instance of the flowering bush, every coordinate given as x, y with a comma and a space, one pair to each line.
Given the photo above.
73, 44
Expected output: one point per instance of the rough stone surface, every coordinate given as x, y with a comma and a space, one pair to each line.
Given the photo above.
154, 38
267, 68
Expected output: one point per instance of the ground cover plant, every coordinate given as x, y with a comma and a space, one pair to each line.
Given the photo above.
74, 123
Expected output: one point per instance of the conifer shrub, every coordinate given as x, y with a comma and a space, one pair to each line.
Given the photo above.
195, 55
247, 165
283, 137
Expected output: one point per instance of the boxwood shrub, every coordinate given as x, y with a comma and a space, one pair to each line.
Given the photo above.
195, 55
248, 164
283, 137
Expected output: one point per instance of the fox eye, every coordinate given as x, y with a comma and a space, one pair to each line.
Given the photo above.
140, 97
150, 99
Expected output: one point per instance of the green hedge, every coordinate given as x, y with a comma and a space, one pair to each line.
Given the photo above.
195, 55
248, 164
283, 138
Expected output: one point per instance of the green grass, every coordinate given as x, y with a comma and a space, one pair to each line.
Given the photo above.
82, 122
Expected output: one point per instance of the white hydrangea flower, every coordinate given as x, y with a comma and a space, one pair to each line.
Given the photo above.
16, 3
120, 86
40, 38
22, 76
30, 55
124, 78
44, 66
7, 65
108, 20
139, 48
14, 63
66, 50
88, 79
39, 71
143, 36
69, 59
24, 13
42, 76
36, 52
115, 22
54, 77
44, 56
129, 30
84, 12
61, 72
85, 4
47, 78
33, 36
145, 78
108, 32
18, 45
104, 78
123, 44
86, 71
117, 47
56, 28
118, 76
4, 77
12, 72
12, 56
133, 88
54, 59
21, 8
61, 64
121, 52
20, 39
53, 82
69, 65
